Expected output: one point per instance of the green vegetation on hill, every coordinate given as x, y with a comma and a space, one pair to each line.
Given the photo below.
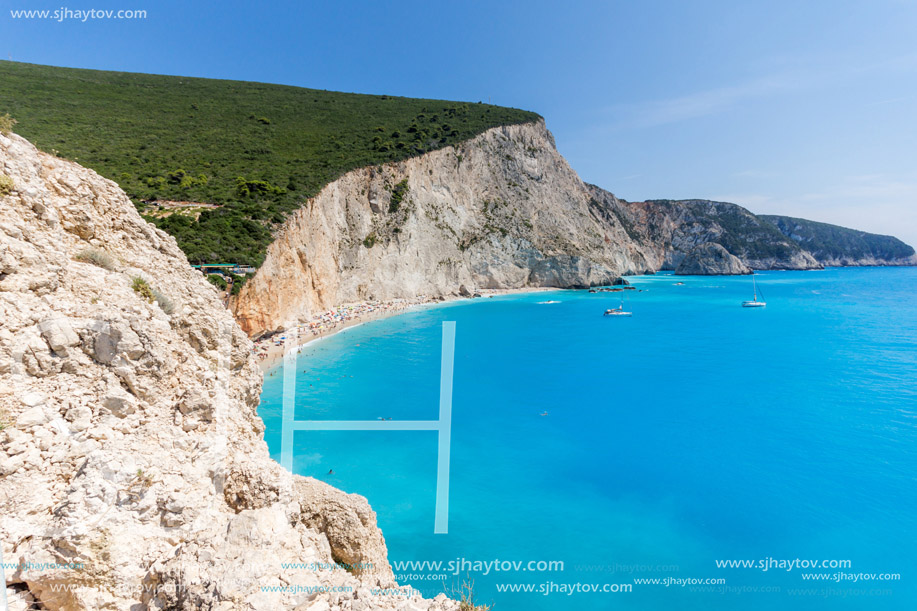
257, 150
832, 243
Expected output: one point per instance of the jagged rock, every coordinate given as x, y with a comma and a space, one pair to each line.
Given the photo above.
711, 259
31, 399
119, 402
31, 417
59, 334
131, 442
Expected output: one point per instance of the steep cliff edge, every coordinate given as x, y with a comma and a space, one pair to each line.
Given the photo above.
840, 246
503, 210
133, 474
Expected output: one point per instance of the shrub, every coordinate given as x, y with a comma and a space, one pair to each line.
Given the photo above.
165, 304
247, 188
398, 193
143, 480
465, 594
142, 288
217, 281
370, 240
96, 257
237, 283
6, 185
6, 123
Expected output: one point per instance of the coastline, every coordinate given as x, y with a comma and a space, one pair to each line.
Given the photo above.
269, 352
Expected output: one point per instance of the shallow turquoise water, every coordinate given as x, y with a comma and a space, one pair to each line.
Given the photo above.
694, 431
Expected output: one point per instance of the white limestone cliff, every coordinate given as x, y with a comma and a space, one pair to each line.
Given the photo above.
130, 445
503, 210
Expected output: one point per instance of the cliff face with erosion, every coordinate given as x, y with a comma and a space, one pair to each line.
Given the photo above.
133, 473
503, 210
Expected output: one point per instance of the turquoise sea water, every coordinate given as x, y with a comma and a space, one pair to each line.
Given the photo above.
694, 431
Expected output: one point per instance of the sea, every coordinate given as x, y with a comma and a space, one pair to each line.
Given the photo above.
696, 455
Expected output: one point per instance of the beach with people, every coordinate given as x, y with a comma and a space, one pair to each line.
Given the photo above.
269, 350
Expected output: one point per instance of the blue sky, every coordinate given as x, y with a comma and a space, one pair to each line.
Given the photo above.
801, 108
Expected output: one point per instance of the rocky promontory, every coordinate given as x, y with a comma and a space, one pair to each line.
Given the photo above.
839, 246
711, 259
670, 229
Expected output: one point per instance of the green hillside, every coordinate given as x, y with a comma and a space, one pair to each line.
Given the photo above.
256, 150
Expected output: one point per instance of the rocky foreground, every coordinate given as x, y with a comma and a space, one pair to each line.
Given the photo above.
133, 474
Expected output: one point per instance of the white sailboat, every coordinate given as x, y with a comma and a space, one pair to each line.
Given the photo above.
754, 303
618, 311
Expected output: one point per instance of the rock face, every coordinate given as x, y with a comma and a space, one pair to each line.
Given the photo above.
711, 259
133, 473
503, 210
840, 246
668, 230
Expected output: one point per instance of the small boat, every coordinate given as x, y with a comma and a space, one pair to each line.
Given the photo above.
754, 303
618, 311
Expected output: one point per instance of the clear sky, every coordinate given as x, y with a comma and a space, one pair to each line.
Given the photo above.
803, 107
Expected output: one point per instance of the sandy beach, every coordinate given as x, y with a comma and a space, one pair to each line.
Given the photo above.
269, 351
